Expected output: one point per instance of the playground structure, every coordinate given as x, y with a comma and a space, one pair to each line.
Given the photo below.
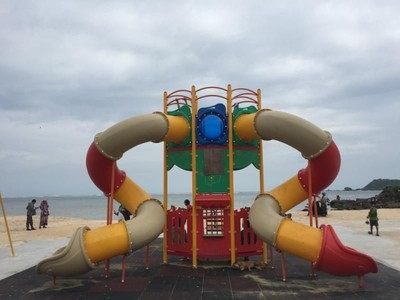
212, 142
215, 228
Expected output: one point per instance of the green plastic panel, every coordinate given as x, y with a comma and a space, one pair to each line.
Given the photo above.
243, 158
181, 159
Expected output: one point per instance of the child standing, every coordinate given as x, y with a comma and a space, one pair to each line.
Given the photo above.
373, 220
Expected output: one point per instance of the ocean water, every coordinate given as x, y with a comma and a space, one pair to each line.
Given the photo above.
94, 207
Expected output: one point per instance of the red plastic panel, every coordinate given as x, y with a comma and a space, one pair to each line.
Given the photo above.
213, 200
213, 238
245, 238
179, 232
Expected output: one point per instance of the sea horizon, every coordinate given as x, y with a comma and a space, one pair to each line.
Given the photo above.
95, 206
176, 193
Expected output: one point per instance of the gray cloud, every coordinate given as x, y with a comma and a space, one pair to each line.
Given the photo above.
71, 69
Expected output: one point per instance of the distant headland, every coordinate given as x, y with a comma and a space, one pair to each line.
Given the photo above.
378, 185
388, 198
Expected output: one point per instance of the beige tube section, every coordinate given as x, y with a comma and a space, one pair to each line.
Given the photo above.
155, 127
147, 225
121, 137
265, 217
302, 135
70, 260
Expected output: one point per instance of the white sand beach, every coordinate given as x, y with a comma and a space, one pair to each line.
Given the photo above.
32, 246
58, 228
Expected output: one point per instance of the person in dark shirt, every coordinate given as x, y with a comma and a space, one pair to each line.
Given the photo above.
30, 212
124, 212
188, 205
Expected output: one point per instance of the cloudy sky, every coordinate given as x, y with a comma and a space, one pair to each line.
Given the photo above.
71, 69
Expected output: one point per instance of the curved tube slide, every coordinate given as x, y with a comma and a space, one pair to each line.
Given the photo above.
320, 246
88, 247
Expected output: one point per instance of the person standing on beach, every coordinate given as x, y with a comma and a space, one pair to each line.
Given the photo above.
373, 219
30, 212
324, 205
188, 205
124, 212
44, 213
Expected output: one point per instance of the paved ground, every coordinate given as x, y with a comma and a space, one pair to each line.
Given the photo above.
178, 280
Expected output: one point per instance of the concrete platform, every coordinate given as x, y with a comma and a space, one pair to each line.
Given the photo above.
211, 280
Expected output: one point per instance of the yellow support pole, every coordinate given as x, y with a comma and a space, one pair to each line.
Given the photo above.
165, 189
7, 228
194, 178
231, 187
261, 172
261, 151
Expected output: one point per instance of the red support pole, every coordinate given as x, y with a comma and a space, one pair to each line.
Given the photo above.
110, 200
310, 196
283, 267
111, 196
310, 202
147, 257
123, 268
271, 254
360, 281
316, 211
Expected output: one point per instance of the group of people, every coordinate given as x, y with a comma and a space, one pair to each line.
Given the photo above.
186, 203
31, 211
126, 214
321, 203
372, 216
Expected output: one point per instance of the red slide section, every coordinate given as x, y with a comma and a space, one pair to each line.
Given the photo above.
324, 169
334, 258
99, 168
351, 261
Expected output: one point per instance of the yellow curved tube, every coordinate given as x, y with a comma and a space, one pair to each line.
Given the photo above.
178, 129
289, 194
292, 237
130, 195
244, 127
300, 240
106, 242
